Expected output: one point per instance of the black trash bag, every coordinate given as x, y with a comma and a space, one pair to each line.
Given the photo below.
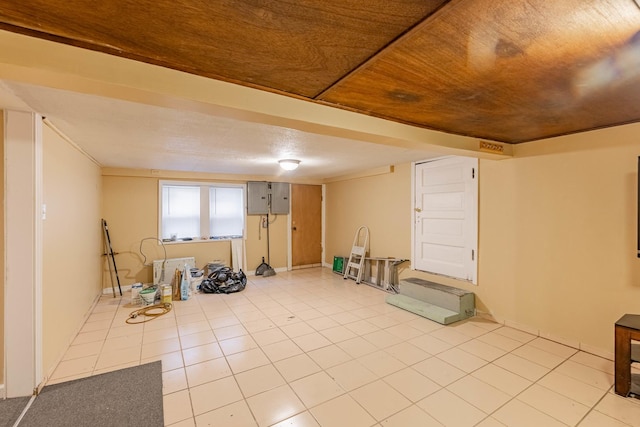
208, 287
224, 281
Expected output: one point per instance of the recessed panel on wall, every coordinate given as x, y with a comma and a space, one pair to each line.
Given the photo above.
280, 198
257, 198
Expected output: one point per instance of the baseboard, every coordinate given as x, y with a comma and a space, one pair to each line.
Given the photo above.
72, 337
487, 316
126, 288
277, 270
561, 340
300, 267
109, 291
596, 351
3, 393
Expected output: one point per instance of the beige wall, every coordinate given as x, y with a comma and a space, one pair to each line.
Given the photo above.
72, 243
566, 230
130, 207
557, 233
2, 254
382, 203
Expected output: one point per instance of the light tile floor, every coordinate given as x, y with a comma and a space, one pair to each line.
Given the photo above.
306, 348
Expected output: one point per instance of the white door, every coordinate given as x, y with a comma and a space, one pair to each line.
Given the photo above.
445, 232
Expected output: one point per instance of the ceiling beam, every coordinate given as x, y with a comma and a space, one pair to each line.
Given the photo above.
45, 63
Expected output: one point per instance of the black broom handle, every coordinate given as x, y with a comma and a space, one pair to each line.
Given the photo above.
268, 244
113, 258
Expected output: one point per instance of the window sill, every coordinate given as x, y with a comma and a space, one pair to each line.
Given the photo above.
200, 240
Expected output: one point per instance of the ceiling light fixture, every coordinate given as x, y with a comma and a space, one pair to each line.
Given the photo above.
289, 164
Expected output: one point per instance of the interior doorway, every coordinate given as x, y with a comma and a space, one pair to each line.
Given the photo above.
306, 225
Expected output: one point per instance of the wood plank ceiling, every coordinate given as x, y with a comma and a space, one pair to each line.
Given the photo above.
505, 70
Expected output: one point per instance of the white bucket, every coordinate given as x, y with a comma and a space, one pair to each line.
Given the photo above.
148, 296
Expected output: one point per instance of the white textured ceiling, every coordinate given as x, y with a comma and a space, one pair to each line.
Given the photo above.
122, 134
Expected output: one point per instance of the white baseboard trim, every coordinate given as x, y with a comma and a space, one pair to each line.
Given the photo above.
109, 291
3, 393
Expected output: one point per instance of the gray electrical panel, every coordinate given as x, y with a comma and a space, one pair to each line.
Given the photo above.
257, 198
261, 195
280, 198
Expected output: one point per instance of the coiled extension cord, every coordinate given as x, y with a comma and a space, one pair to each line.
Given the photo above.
149, 312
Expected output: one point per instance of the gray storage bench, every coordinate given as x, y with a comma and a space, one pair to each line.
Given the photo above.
440, 303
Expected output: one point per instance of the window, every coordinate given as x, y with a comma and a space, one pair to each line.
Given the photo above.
201, 211
226, 210
180, 211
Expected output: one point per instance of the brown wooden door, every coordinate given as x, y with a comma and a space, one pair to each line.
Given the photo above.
306, 224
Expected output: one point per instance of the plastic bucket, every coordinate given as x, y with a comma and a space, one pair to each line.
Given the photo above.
148, 296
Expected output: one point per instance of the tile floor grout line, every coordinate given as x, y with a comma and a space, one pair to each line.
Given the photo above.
533, 383
317, 294
593, 408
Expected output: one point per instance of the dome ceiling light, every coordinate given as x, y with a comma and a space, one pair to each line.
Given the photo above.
289, 164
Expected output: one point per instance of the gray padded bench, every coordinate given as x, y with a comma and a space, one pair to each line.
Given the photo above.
440, 303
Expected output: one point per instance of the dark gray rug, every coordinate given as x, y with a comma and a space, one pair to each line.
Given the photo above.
10, 410
128, 397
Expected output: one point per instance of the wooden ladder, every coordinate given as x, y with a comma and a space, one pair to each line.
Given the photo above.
355, 265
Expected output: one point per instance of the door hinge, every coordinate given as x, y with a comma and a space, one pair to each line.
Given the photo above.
473, 255
473, 173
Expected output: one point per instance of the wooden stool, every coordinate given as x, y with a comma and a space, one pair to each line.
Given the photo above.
627, 329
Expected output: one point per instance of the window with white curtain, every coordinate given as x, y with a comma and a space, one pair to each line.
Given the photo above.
180, 211
226, 210
201, 211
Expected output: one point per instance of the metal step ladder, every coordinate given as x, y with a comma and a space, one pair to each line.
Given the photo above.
355, 265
